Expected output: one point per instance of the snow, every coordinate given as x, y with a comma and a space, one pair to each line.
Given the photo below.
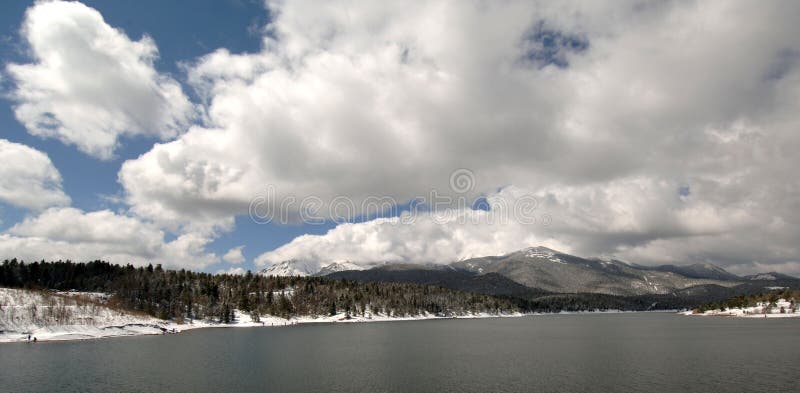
543, 253
58, 316
294, 267
757, 311
473, 266
67, 316
288, 292
338, 267
652, 284
763, 276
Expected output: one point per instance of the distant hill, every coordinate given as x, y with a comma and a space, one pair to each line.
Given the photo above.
698, 270
186, 295
445, 276
540, 278
771, 276
553, 271
300, 268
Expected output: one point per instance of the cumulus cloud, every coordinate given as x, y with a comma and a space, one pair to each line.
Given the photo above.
234, 255
381, 104
634, 219
90, 84
69, 233
424, 236
233, 271
28, 178
656, 132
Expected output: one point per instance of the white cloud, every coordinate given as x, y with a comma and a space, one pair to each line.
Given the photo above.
234, 255
429, 239
634, 219
374, 111
69, 233
28, 178
234, 271
639, 104
90, 83
658, 133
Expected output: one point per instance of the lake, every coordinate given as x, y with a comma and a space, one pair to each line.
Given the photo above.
644, 352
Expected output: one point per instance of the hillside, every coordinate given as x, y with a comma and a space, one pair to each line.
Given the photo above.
47, 315
490, 284
770, 304
537, 269
697, 270
181, 296
543, 279
553, 271
770, 276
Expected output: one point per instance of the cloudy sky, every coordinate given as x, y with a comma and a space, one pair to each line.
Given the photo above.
229, 135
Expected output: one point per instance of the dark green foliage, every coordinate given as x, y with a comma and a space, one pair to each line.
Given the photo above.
185, 295
752, 300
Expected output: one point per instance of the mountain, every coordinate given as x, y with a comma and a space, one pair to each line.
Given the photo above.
441, 275
534, 271
543, 279
554, 271
770, 276
337, 267
698, 270
292, 267
302, 268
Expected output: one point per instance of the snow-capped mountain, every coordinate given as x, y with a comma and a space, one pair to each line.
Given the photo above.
539, 270
294, 267
543, 269
338, 267
554, 271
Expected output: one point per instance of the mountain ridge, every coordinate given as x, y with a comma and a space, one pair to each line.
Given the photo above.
537, 270
557, 272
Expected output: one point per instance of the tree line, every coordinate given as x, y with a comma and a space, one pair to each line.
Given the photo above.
184, 295
769, 298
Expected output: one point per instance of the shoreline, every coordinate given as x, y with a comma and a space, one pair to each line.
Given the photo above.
78, 316
154, 327
51, 316
735, 314
781, 308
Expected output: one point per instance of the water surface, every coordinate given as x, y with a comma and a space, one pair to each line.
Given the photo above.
644, 352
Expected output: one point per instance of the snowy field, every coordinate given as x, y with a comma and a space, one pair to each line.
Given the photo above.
761, 310
67, 316
53, 316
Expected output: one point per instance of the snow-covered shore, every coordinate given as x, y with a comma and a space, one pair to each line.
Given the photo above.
59, 316
81, 316
67, 316
760, 310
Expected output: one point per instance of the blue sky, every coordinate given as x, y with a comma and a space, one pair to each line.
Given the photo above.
183, 31
654, 134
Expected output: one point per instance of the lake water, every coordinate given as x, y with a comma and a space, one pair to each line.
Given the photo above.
645, 352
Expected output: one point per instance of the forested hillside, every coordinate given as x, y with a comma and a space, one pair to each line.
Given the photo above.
171, 294
769, 298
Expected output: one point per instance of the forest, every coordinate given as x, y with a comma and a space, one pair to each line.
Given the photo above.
182, 294
744, 301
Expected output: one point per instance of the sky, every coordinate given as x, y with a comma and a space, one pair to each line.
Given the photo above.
231, 135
